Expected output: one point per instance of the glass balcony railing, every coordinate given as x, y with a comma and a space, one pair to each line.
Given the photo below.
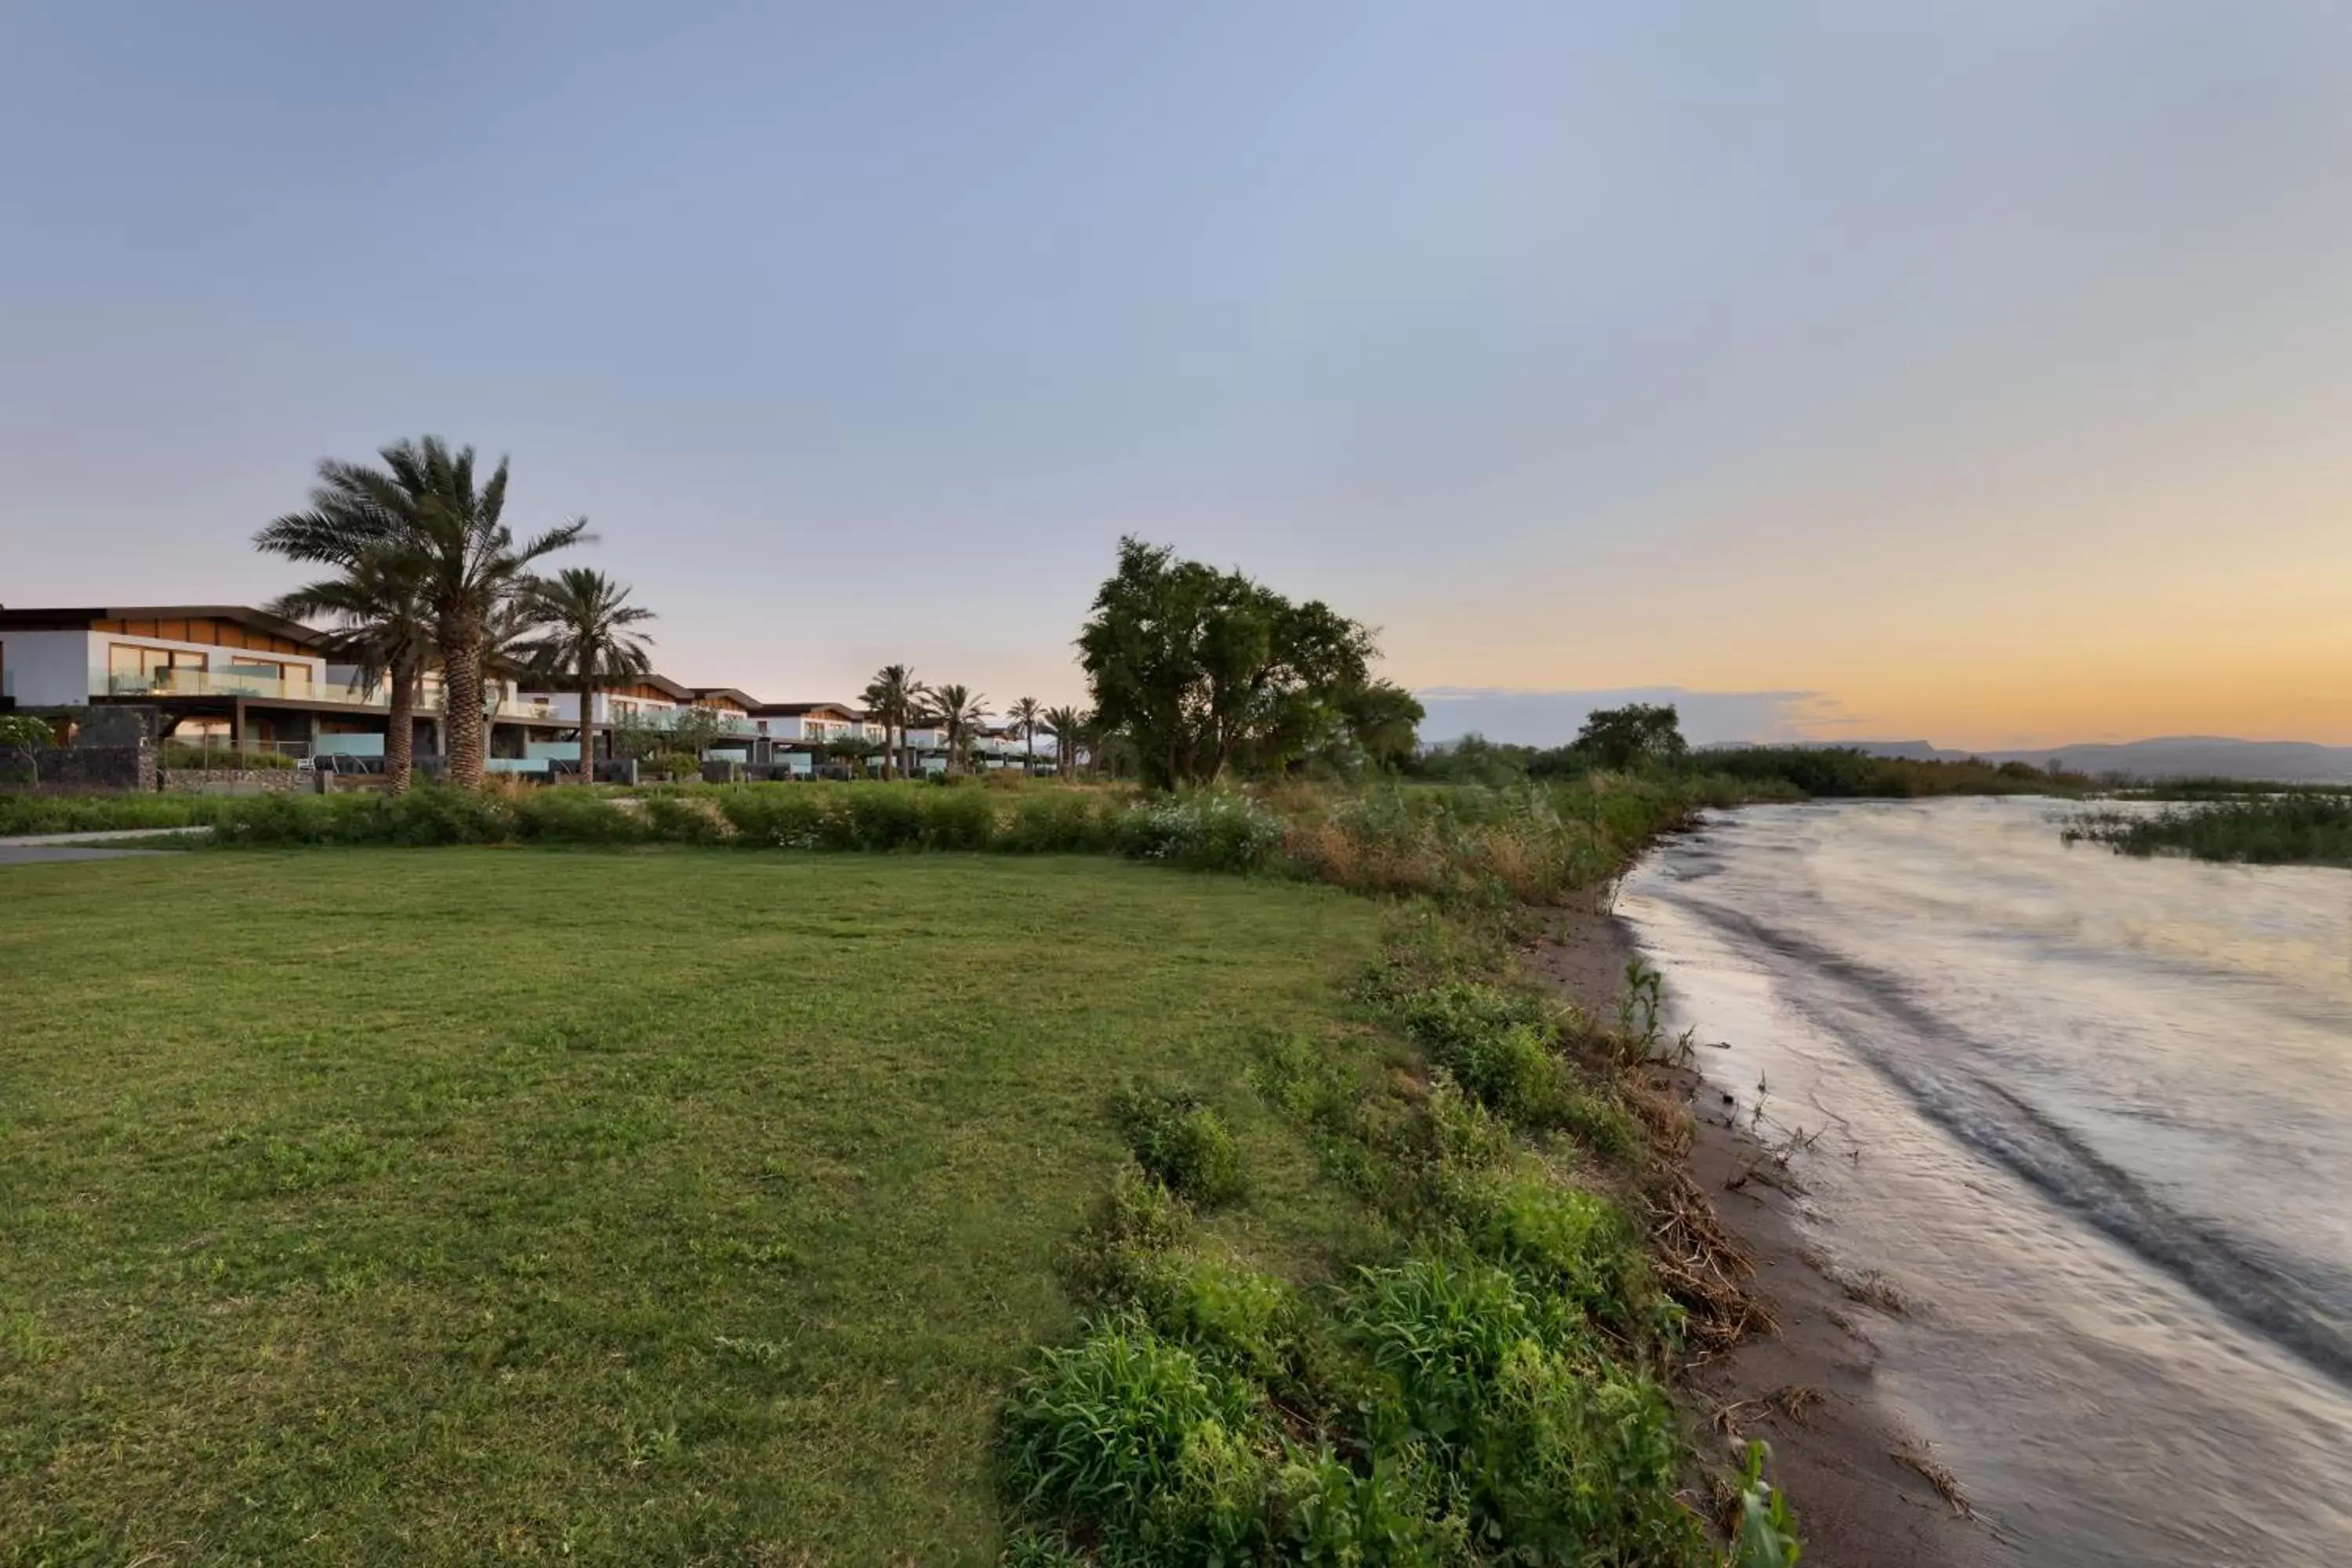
186, 682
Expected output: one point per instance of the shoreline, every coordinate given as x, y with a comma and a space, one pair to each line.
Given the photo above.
1804, 1386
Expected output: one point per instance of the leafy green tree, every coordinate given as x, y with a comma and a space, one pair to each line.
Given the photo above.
958, 712
25, 732
894, 696
1202, 669
584, 637
1382, 722
1623, 737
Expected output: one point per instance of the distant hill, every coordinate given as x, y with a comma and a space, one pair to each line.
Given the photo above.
2169, 757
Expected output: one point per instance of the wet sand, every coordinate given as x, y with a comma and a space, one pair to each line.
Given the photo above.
1806, 1388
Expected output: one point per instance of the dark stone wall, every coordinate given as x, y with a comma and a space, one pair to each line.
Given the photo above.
238, 781
76, 770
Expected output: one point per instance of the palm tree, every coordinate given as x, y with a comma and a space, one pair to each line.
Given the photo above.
585, 616
894, 695
956, 711
1065, 725
466, 564
1024, 715
358, 523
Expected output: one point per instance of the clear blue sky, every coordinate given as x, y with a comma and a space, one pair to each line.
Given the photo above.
1973, 370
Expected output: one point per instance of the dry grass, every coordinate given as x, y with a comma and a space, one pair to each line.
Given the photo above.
1790, 1402
1916, 1458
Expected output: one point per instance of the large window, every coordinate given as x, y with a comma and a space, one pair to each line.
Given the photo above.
130, 666
294, 680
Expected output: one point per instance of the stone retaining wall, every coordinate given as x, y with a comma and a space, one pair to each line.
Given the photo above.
237, 780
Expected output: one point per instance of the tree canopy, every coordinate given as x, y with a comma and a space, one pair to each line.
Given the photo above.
1621, 737
1204, 670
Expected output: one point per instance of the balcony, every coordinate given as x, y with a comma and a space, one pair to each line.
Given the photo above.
185, 682
667, 719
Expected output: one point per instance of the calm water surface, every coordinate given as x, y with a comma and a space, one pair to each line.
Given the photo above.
2093, 1115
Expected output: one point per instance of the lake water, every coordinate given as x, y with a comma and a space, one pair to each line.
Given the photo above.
2093, 1115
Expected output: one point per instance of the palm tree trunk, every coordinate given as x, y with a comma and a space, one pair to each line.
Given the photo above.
587, 731
461, 675
400, 727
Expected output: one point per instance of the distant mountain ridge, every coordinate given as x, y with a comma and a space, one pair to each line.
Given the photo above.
2164, 757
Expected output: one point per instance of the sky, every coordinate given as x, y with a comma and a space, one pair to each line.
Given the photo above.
1978, 371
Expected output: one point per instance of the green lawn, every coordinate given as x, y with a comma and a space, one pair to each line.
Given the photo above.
653, 1206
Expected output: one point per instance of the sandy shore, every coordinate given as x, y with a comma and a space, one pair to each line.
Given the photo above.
1807, 1387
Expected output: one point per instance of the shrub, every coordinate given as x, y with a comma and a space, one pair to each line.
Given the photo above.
1575, 1460
285, 819
885, 817
682, 819
1246, 1319
1141, 1439
439, 813
1207, 831
958, 819
105, 812
1139, 1221
1560, 1240
1393, 1511
1058, 821
1561, 1456
1181, 1143
575, 816
782, 816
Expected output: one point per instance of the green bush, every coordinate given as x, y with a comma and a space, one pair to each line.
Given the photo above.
1161, 1454
886, 818
1244, 1318
680, 819
1561, 1456
778, 816
286, 819
1393, 1510
1561, 1241
958, 819
1139, 1222
105, 812
1505, 1047
1207, 831
1181, 1143
1055, 822
568, 815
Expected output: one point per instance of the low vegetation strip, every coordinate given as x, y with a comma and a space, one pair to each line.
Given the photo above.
1490, 847
23, 814
1483, 1385
370, 1206
2303, 826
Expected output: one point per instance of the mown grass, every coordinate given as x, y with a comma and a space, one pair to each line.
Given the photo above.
633, 1206
2303, 826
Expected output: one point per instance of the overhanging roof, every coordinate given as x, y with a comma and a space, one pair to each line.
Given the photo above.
801, 709
71, 619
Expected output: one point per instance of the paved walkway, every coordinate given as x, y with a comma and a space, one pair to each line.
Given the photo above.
15, 854
32, 848
106, 836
